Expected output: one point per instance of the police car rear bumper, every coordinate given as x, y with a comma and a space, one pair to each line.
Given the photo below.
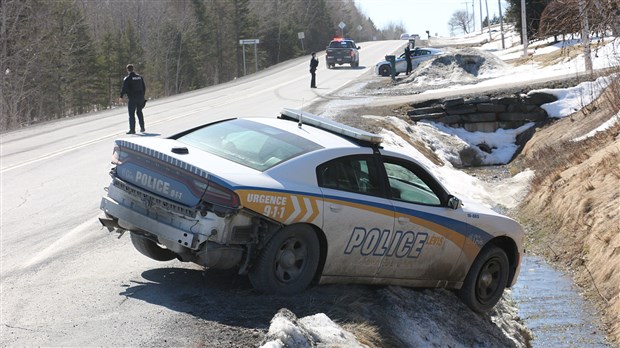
338, 60
171, 229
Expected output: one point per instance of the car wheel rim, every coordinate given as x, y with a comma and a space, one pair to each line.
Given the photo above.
488, 280
290, 260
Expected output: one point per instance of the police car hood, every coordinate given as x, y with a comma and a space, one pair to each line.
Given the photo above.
490, 221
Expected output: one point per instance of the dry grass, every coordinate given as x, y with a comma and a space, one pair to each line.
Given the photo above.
365, 333
573, 209
552, 58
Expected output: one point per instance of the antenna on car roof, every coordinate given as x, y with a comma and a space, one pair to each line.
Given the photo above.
301, 112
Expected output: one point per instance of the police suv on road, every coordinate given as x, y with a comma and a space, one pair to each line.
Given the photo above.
342, 51
300, 199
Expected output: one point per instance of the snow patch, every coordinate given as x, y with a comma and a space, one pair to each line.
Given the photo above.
573, 99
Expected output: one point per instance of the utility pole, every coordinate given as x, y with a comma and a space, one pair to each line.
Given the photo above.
481, 20
524, 28
486, 4
501, 22
585, 36
467, 13
473, 16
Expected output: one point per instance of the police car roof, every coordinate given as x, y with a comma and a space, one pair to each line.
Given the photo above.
358, 135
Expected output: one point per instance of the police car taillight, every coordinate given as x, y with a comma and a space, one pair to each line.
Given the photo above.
220, 195
117, 156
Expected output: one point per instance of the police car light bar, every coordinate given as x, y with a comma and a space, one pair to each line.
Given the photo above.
331, 126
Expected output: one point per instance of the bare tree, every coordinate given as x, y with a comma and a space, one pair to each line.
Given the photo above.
559, 16
460, 21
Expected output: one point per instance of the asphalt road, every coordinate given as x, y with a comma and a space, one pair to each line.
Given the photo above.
65, 280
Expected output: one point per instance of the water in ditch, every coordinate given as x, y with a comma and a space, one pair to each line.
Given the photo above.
547, 299
553, 309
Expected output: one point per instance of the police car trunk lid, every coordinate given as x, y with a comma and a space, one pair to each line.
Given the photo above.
173, 170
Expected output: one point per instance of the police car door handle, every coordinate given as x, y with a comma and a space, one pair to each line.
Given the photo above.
403, 220
335, 207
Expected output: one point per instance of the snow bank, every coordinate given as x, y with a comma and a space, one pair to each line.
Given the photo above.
571, 100
317, 330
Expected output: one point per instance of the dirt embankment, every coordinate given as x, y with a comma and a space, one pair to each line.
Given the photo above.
572, 211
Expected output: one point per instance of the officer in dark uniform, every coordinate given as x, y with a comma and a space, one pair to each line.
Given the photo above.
134, 88
314, 63
408, 59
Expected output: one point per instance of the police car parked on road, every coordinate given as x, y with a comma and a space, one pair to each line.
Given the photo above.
418, 55
301, 199
342, 51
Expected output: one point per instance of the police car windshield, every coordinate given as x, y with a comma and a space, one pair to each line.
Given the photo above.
249, 143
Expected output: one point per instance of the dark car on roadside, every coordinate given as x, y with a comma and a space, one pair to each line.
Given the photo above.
342, 51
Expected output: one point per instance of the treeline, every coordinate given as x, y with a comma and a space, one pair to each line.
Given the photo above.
67, 57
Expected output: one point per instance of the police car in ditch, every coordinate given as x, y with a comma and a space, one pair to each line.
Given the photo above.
300, 199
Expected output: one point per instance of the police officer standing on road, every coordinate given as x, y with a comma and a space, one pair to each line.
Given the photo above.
408, 59
134, 88
314, 63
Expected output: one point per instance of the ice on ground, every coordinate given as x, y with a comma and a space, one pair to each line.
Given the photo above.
317, 330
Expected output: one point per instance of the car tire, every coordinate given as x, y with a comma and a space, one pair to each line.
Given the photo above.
151, 249
384, 70
486, 280
288, 263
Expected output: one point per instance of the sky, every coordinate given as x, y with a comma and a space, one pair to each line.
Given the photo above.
508, 193
418, 16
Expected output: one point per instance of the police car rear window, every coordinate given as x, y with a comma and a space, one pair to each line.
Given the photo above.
341, 44
249, 143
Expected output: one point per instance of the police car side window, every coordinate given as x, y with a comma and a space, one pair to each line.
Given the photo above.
407, 186
352, 174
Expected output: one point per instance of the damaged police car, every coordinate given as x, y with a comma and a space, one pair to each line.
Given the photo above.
301, 199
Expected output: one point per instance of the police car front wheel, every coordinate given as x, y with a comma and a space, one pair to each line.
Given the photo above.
486, 279
288, 262
384, 70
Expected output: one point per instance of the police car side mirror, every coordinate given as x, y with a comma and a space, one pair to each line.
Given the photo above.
359, 47
454, 203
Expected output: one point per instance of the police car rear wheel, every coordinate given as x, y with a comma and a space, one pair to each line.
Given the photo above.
288, 262
151, 249
486, 279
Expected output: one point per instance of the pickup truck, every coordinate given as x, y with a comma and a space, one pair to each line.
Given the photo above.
342, 51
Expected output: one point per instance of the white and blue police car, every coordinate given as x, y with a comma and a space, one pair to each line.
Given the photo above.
418, 55
299, 200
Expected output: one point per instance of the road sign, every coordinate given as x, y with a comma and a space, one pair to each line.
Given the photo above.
249, 42
341, 25
300, 35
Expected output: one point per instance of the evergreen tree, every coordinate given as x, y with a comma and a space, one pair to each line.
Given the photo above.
533, 14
